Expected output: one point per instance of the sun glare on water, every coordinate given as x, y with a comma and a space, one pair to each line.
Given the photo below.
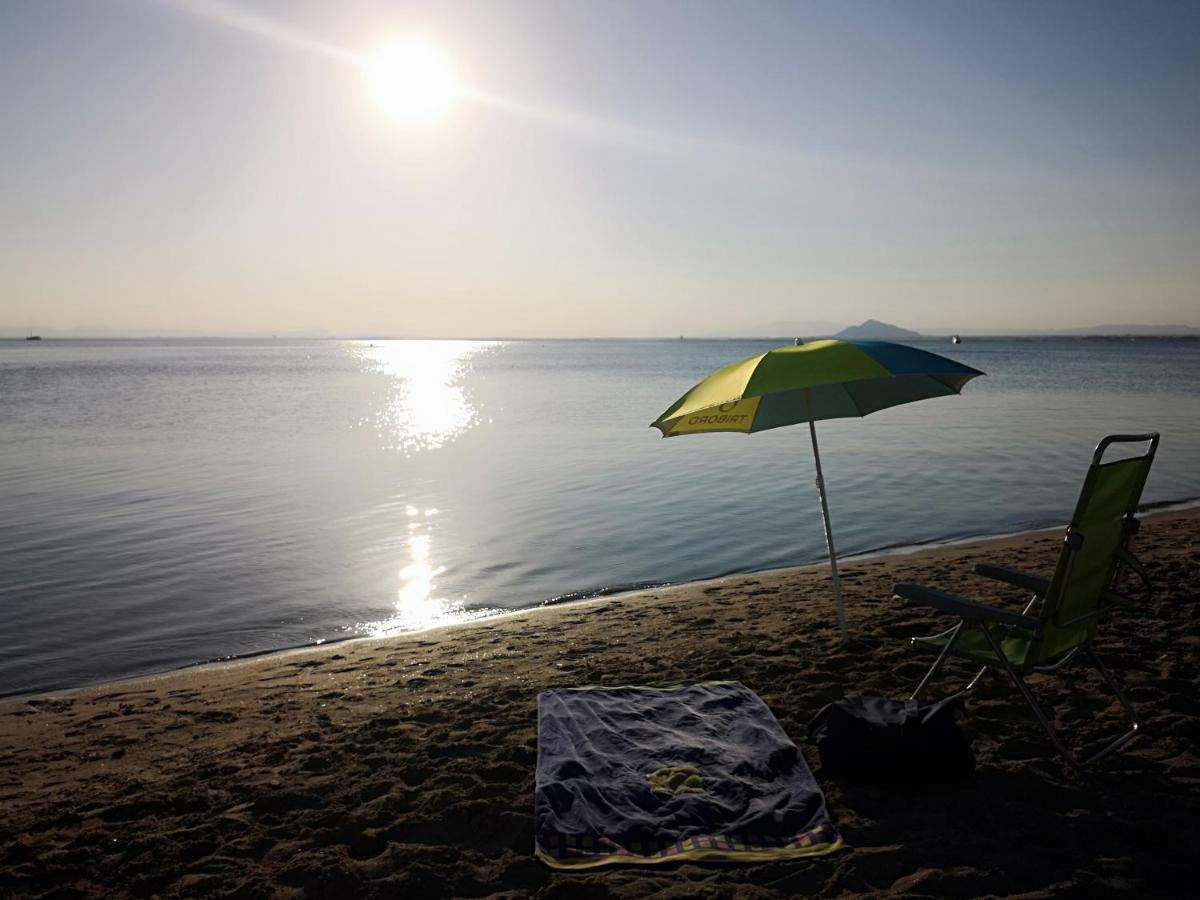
413, 80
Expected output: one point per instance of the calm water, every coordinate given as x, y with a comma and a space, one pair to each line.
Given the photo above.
163, 504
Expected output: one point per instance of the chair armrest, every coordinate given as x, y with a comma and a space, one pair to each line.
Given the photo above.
960, 606
1035, 583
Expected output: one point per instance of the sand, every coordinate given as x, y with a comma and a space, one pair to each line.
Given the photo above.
404, 768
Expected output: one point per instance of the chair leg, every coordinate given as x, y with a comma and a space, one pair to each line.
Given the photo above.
974, 681
1029, 698
1044, 721
940, 661
1111, 681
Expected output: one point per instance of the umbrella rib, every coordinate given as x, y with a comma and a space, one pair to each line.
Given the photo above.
845, 386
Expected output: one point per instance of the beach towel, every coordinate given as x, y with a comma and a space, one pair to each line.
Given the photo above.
634, 775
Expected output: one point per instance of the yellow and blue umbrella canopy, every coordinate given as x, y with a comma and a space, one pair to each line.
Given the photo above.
828, 379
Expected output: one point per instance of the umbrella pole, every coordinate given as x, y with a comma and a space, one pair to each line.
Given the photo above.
837, 580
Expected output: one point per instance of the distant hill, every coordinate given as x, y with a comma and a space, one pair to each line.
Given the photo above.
874, 330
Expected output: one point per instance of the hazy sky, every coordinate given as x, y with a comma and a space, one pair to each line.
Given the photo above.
635, 168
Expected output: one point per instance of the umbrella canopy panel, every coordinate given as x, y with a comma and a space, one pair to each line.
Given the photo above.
835, 379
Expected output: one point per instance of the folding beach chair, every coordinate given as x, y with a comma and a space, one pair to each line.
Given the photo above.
1095, 553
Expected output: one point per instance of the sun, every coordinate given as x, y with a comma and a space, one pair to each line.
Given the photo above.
412, 79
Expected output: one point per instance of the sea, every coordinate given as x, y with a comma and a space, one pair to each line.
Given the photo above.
165, 503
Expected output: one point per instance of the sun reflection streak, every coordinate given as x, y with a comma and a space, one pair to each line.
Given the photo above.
427, 406
424, 406
416, 594
417, 604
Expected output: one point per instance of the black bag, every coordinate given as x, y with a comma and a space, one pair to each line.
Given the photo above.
903, 741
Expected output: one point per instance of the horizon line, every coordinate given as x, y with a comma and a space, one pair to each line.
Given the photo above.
1171, 331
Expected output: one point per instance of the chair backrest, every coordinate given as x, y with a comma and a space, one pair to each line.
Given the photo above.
1101, 527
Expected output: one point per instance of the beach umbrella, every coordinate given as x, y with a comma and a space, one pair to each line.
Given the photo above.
827, 379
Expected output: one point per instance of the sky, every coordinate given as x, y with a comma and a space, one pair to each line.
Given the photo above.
616, 168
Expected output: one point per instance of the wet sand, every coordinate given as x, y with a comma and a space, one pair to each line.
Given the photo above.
404, 768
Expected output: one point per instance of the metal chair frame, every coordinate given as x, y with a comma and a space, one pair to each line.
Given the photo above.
976, 616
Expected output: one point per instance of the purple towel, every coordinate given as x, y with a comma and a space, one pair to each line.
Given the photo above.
637, 775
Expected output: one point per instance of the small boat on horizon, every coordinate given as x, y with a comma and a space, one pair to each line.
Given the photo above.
955, 339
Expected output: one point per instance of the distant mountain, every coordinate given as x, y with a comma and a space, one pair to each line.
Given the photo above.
874, 330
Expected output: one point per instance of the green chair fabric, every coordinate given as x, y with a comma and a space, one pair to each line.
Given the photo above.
974, 646
1107, 503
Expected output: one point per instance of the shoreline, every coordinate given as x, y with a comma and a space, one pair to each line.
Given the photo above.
404, 766
601, 595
